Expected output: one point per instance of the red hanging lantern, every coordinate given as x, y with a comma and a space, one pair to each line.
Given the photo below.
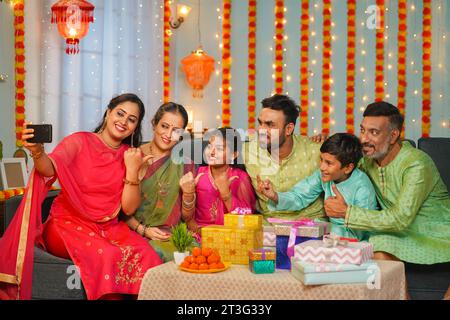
72, 18
198, 67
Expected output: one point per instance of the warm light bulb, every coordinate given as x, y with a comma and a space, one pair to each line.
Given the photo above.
72, 32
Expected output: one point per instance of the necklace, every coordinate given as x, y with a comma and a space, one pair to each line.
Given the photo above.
112, 147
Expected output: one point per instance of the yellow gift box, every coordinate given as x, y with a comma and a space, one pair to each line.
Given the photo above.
233, 244
249, 221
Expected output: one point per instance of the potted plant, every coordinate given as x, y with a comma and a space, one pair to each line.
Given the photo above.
182, 239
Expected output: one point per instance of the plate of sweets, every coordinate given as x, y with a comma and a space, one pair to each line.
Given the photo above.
204, 260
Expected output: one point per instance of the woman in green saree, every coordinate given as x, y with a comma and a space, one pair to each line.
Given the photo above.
161, 198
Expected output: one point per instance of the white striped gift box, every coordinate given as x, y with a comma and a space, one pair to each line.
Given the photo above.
317, 251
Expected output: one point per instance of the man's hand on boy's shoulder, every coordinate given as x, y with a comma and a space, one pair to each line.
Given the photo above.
319, 138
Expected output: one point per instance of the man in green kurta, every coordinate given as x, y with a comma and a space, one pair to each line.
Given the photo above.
281, 156
414, 223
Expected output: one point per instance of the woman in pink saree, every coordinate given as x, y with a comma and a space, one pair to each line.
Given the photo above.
98, 174
218, 188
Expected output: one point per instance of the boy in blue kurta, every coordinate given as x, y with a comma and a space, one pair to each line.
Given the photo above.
339, 157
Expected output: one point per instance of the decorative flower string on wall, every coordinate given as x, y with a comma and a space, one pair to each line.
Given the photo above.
426, 69
279, 31
304, 71
326, 66
251, 86
226, 63
19, 45
379, 52
166, 51
351, 45
401, 57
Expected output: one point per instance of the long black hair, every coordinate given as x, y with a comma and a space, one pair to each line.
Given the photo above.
127, 97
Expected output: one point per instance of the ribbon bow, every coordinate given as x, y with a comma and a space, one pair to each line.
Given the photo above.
241, 211
332, 240
295, 224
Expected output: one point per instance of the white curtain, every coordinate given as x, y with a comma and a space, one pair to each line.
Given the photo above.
121, 53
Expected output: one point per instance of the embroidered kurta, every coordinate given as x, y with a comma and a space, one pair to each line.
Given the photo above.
414, 223
301, 163
356, 190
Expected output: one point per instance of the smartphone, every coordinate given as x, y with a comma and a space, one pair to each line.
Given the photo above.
42, 133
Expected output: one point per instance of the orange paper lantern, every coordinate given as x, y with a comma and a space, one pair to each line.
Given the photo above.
72, 18
198, 67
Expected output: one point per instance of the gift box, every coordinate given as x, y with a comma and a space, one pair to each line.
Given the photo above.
233, 244
262, 261
315, 230
283, 255
331, 273
250, 221
333, 251
270, 238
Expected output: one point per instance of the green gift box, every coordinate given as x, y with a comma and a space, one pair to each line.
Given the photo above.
262, 261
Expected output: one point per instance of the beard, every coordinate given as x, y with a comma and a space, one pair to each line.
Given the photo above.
378, 154
273, 145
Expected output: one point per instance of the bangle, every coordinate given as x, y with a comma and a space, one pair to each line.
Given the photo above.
189, 204
38, 154
143, 233
133, 183
135, 229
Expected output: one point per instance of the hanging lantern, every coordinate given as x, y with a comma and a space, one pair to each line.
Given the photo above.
72, 18
198, 67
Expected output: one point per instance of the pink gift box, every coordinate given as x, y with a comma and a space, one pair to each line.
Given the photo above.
318, 251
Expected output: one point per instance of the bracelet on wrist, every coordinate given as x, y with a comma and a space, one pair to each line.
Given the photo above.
130, 182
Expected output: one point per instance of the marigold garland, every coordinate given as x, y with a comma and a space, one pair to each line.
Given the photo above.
166, 52
426, 73
326, 67
351, 45
304, 50
379, 52
226, 63
251, 96
401, 60
19, 44
279, 31
9, 193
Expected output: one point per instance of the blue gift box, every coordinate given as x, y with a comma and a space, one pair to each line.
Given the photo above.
332, 273
283, 261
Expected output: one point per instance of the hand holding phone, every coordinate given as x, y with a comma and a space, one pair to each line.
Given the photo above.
42, 133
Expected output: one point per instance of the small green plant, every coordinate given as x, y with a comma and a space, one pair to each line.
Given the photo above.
181, 238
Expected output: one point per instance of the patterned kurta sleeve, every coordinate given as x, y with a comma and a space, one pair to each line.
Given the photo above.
300, 196
416, 184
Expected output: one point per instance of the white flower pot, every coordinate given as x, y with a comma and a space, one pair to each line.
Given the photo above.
179, 256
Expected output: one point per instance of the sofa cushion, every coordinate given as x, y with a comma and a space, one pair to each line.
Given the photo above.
439, 150
54, 278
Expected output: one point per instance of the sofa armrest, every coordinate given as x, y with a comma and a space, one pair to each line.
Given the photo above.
11, 205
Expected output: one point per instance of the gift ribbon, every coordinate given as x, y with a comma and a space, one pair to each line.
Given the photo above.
295, 224
332, 241
241, 212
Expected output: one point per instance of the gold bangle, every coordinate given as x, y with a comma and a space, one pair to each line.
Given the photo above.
133, 183
38, 154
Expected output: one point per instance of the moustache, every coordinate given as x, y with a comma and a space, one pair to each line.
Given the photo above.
368, 145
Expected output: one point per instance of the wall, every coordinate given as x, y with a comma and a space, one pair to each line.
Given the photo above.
7, 120
207, 109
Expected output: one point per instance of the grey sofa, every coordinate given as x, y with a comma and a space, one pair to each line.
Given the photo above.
50, 273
